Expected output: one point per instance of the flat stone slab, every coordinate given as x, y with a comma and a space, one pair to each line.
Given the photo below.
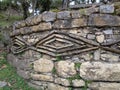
100, 71
107, 8
101, 20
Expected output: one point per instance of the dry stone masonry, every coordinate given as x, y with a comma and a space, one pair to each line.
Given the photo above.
69, 50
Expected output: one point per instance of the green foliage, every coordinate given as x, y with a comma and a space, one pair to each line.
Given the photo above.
70, 88
86, 84
77, 65
8, 74
4, 22
54, 71
56, 4
58, 58
77, 76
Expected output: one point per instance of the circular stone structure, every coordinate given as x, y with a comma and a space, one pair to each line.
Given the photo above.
68, 50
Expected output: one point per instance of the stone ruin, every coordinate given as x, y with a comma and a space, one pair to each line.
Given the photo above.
69, 50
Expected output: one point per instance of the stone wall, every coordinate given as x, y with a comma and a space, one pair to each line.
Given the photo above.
69, 50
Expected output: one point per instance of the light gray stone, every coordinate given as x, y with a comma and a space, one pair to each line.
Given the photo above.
107, 8
79, 22
43, 65
104, 86
62, 81
102, 20
87, 57
100, 38
75, 14
97, 55
110, 57
52, 86
62, 24
91, 36
100, 71
78, 83
3, 84
65, 68
42, 77
63, 15
49, 16
109, 31
23, 73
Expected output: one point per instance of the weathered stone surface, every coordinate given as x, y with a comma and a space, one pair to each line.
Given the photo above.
107, 8
63, 15
45, 26
79, 22
62, 24
17, 63
33, 20
37, 87
100, 38
48, 16
43, 65
23, 73
100, 71
90, 10
109, 57
87, 57
78, 83
75, 14
3, 84
97, 55
42, 77
104, 86
91, 36
102, 20
35, 28
52, 86
108, 31
65, 68
62, 81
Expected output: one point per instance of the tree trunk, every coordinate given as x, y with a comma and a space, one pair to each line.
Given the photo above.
25, 7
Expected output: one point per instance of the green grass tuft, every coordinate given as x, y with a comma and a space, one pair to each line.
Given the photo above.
9, 75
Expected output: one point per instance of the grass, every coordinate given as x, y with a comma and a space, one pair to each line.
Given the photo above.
10, 21
9, 75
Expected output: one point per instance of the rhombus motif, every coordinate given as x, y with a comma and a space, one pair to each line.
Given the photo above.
59, 43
